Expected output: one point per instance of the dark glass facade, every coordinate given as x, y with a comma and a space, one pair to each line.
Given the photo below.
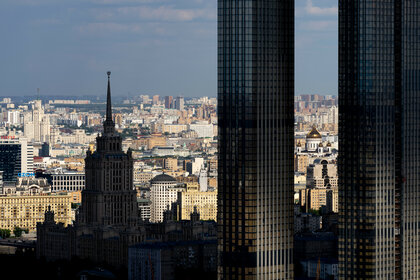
379, 127
255, 108
10, 161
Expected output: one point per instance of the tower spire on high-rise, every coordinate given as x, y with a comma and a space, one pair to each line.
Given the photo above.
109, 125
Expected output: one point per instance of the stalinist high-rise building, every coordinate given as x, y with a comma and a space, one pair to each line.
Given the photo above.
379, 132
255, 106
108, 221
37, 124
109, 198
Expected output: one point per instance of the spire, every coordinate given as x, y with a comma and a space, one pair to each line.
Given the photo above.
108, 99
109, 125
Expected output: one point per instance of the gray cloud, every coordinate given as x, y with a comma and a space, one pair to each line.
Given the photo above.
314, 10
168, 13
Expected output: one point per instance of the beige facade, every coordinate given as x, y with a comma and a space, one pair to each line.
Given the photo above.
318, 197
174, 128
204, 202
27, 211
301, 163
171, 164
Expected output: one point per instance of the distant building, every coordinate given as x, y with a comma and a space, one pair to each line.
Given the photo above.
301, 162
192, 199
28, 186
307, 222
194, 167
179, 103
204, 130
321, 268
168, 102
145, 208
68, 181
108, 221
155, 99
171, 164
26, 211
37, 124
315, 245
163, 193
322, 187
16, 157
202, 179
162, 260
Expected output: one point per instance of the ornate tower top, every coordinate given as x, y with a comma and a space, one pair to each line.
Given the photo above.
109, 126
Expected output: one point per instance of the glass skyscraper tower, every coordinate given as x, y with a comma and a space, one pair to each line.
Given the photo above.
379, 136
255, 107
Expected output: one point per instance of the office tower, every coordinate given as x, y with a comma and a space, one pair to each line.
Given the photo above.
16, 157
255, 105
168, 102
379, 161
179, 104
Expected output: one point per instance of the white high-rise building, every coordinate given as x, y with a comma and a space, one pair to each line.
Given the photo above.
202, 180
163, 193
37, 124
13, 117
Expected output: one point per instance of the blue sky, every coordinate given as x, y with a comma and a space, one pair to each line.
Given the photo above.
167, 47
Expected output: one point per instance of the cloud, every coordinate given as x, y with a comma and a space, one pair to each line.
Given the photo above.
108, 27
120, 2
168, 13
313, 10
319, 25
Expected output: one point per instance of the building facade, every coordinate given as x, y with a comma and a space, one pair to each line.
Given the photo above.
163, 194
379, 107
108, 221
16, 157
255, 106
25, 211
67, 181
193, 199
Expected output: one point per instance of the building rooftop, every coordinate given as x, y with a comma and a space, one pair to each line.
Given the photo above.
163, 178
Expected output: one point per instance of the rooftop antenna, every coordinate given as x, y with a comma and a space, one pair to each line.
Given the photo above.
37, 90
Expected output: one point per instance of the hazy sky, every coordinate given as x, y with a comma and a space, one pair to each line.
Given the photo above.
166, 47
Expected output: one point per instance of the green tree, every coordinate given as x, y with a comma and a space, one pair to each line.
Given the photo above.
4, 233
17, 231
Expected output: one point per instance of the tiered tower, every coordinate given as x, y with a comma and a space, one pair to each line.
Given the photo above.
109, 198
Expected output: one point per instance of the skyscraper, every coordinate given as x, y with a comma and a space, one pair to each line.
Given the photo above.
109, 198
179, 103
255, 105
168, 102
108, 221
16, 157
379, 160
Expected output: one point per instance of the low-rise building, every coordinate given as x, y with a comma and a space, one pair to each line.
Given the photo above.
192, 199
27, 210
163, 260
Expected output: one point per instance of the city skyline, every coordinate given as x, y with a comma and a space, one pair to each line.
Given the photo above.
63, 47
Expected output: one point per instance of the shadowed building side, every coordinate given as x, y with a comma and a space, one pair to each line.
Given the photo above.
255, 106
